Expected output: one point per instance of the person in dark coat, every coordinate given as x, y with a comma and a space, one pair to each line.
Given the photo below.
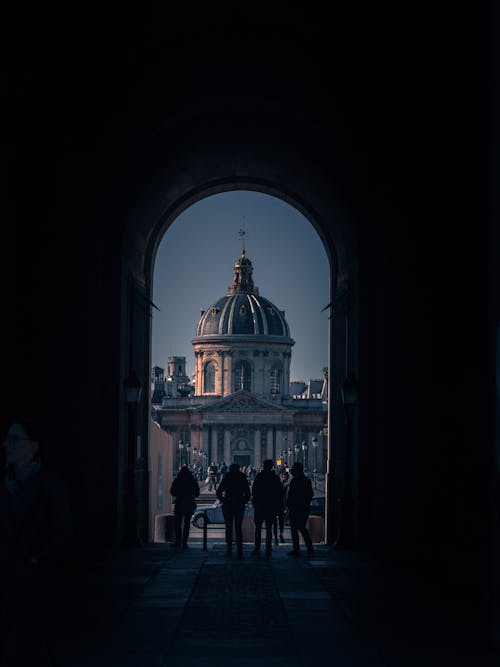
266, 500
298, 500
36, 537
185, 489
234, 494
279, 519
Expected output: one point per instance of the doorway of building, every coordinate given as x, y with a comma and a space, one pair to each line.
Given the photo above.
243, 460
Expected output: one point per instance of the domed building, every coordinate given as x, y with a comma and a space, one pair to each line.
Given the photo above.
243, 342
241, 408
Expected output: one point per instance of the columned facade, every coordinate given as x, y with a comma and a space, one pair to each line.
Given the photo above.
241, 408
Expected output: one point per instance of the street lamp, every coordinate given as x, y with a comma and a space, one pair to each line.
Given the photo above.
188, 453
133, 390
304, 454
314, 443
349, 393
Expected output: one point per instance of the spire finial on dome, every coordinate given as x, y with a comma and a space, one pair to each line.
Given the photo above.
242, 234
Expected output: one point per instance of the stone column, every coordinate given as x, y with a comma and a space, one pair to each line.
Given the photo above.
257, 460
270, 453
228, 370
199, 374
213, 448
227, 446
221, 355
264, 359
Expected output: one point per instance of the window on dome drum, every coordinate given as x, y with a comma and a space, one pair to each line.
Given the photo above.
209, 378
275, 381
242, 376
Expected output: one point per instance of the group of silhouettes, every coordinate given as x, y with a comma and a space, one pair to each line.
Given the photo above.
269, 497
37, 532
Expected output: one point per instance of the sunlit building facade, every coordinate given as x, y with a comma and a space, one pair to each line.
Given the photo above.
241, 405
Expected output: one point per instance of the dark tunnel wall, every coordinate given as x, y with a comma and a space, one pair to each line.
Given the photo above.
384, 113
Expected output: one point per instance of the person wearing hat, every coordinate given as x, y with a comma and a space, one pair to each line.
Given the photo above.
298, 499
234, 494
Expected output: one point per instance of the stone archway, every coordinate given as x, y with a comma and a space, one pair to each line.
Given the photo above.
207, 169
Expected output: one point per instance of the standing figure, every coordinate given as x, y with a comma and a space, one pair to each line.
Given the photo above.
279, 519
298, 500
186, 489
36, 536
266, 500
234, 494
213, 476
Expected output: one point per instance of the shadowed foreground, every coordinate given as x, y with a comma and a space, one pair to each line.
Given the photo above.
156, 606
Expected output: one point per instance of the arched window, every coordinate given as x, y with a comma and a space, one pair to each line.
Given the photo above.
209, 378
275, 381
242, 376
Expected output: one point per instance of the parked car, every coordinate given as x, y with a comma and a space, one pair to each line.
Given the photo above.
317, 506
214, 514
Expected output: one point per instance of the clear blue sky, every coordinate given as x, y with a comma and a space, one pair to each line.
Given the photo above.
194, 268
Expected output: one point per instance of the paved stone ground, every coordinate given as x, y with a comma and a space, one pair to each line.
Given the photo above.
158, 606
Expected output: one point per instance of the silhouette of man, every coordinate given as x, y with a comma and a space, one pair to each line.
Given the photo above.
279, 519
298, 500
266, 500
36, 536
186, 489
234, 494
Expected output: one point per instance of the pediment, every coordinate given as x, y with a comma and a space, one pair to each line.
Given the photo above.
243, 401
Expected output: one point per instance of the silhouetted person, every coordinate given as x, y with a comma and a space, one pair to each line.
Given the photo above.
186, 489
36, 538
298, 499
279, 519
266, 500
234, 494
213, 476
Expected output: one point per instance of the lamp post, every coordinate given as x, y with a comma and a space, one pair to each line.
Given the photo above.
133, 391
188, 453
349, 399
304, 454
314, 443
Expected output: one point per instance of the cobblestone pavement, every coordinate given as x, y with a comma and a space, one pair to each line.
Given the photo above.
158, 606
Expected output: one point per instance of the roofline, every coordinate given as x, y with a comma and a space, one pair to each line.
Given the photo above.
242, 338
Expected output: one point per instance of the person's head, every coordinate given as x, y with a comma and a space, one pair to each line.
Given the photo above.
184, 470
268, 465
234, 467
22, 442
297, 469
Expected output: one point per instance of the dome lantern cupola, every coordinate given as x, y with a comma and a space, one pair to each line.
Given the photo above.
243, 312
243, 281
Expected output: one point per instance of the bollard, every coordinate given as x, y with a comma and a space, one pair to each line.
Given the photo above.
205, 521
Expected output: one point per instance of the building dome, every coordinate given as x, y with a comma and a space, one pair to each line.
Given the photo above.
243, 312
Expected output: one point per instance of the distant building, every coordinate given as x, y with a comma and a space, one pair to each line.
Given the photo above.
242, 406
